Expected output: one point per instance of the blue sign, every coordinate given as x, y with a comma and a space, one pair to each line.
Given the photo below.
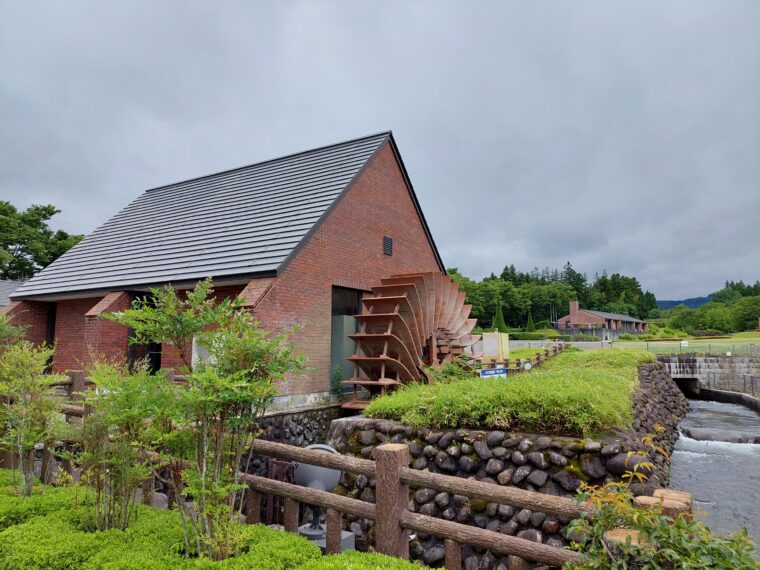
493, 373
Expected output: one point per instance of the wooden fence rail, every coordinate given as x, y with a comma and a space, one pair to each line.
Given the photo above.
393, 520
516, 366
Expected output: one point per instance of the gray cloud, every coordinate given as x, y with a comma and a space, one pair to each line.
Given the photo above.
620, 135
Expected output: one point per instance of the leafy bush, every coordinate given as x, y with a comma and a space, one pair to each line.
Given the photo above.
665, 543
29, 407
50, 531
16, 510
528, 336
575, 393
353, 560
586, 338
626, 336
709, 332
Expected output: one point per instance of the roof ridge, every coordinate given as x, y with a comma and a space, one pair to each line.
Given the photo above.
267, 161
608, 313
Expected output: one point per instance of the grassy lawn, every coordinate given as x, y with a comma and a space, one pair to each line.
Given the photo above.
575, 393
524, 352
739, 343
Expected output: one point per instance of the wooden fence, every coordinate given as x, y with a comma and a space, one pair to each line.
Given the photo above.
517, 365
393, 520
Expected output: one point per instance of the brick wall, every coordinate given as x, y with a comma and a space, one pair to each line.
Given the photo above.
105, 339
346, 250
70, 351
32, 315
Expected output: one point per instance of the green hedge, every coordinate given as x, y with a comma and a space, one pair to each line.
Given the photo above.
575, 393
360, 561
48, 531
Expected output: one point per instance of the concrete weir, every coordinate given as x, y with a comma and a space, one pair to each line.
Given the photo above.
729, 379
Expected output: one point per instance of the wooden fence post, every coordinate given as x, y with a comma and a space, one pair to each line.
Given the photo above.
453, 553
333, 534
392, 499
252, 507
290, 517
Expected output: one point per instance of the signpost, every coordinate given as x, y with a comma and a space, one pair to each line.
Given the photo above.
493, 373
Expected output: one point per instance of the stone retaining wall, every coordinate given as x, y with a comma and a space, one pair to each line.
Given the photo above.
299, 427
537, 462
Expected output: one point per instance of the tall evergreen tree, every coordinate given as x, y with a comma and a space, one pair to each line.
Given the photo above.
530, 327
499, 324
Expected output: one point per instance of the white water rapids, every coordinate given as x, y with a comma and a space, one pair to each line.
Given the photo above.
724, 477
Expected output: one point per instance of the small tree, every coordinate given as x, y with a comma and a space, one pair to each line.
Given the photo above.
128, 410
224, 400
499, 324
9, 334
530, 327
31, 411
165, 317
218, 407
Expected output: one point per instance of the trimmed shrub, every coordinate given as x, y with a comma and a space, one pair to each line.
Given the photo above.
528, 336
16, 510
586, 338
709, 332
353, 560
627, 336
51, 531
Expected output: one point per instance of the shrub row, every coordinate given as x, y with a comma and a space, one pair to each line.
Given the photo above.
52, 531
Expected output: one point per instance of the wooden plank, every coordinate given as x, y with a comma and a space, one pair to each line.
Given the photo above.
453, 559
512, 496
290, 518
333, 534
489, 540
392, 499
321, 458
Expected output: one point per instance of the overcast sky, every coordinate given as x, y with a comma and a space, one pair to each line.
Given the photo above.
619, 135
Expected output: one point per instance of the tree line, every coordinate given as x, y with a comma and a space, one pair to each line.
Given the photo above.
734, 308
538, 297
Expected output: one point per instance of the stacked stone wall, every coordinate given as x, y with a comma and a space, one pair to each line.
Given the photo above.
537, 462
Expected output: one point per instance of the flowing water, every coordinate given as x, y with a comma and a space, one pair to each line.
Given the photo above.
723, 475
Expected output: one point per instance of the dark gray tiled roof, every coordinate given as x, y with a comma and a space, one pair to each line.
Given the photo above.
6, 288
245, 221
614, 316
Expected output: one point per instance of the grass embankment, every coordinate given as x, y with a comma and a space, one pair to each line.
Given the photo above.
49, 531
575, 393
523, 353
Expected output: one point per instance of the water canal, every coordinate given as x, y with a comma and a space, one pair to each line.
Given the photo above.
717, 460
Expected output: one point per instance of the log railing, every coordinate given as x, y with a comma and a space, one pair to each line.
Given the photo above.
516, 366
393, 520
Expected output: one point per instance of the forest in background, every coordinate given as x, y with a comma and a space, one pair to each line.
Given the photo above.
542, 295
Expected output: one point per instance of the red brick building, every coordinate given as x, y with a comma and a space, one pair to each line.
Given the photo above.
298, 238
607, 326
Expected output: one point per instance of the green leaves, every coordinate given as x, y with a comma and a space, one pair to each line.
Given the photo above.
27, 244
166, 316
30, 409
665, 543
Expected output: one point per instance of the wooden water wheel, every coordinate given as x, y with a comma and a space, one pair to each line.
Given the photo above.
409, 322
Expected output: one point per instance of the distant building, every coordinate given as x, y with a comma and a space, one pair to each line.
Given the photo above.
6, 288
607, 326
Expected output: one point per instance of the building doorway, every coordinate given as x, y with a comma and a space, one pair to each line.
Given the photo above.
345, 304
